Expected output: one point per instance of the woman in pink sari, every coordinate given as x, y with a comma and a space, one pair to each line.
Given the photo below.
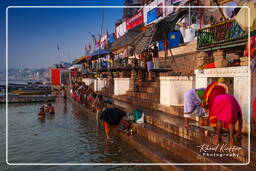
228, 112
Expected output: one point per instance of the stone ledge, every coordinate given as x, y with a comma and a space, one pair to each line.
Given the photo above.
177, 78
226, 70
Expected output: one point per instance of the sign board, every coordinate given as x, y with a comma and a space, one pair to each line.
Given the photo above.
134, 20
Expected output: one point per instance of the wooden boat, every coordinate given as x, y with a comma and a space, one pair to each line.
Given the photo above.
12, 98
31, 91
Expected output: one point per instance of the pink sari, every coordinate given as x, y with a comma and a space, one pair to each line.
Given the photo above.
226, 108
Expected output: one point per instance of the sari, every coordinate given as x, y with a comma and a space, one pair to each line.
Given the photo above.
210, 93
226, 109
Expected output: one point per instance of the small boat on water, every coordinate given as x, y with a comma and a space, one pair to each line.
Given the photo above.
14, 98
37, 88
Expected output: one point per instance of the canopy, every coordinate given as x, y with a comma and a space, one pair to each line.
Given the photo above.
126, 39
100, 52
157, 31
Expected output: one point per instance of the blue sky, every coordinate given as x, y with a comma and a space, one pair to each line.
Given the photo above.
34, 33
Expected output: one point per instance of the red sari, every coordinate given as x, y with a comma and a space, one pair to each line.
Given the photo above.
212, 91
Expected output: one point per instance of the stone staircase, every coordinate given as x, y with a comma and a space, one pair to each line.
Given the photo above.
166, 133
164, 139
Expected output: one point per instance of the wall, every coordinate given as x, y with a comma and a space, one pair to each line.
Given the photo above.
241, 85
172, 89
99, 84
121, 85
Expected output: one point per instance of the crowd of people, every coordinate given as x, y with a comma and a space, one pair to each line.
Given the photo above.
104, 109
224, 110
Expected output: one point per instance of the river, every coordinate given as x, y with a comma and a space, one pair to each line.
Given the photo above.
70, 136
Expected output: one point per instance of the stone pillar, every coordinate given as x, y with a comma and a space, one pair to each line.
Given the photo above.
133, 83
202, 59
172, 89
121, 85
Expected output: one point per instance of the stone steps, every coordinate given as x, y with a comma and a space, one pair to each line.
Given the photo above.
150, 89
151, 84
150, 104
157, 154
188, 150
175, 125
144, 95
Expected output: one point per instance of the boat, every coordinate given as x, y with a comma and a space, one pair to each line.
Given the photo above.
14, 98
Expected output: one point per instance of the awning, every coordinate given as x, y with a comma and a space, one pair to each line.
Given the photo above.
126, 39
156, 32
81, 60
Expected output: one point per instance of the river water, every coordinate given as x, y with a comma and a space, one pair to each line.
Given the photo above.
70, 136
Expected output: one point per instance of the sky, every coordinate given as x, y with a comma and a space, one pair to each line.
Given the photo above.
34, 33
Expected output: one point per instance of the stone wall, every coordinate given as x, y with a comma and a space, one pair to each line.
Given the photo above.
185, 64
172, 89
100, 83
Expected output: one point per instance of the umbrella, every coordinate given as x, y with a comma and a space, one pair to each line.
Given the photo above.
112, 115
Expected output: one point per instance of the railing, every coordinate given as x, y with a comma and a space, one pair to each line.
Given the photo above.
225, 33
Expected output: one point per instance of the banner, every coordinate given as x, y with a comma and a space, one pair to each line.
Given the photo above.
134, 20
151, 15
121, 30
111, 38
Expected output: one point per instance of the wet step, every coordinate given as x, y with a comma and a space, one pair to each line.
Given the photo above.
188, 150
175, 125
158, 154
143, 95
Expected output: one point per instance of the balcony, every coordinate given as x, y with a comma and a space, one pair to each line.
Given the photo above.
221, 35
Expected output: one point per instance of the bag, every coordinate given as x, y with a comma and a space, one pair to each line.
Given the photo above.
141, 120
137, 114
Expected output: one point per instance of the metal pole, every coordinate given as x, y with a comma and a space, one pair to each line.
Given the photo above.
102, 18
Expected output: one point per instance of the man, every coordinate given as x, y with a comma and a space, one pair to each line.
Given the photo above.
50, 109
98, 104
192, 104
111, 117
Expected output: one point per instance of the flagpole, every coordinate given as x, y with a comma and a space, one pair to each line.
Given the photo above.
102, 18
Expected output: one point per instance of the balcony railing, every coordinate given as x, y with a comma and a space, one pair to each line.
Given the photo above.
223, 34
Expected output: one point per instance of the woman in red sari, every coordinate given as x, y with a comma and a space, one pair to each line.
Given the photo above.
227, 112
213, 90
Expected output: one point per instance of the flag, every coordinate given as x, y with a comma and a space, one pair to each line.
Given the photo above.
85, 49
89, 48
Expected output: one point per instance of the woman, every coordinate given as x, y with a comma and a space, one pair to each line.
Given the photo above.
211, 92
227, 112
192, 104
